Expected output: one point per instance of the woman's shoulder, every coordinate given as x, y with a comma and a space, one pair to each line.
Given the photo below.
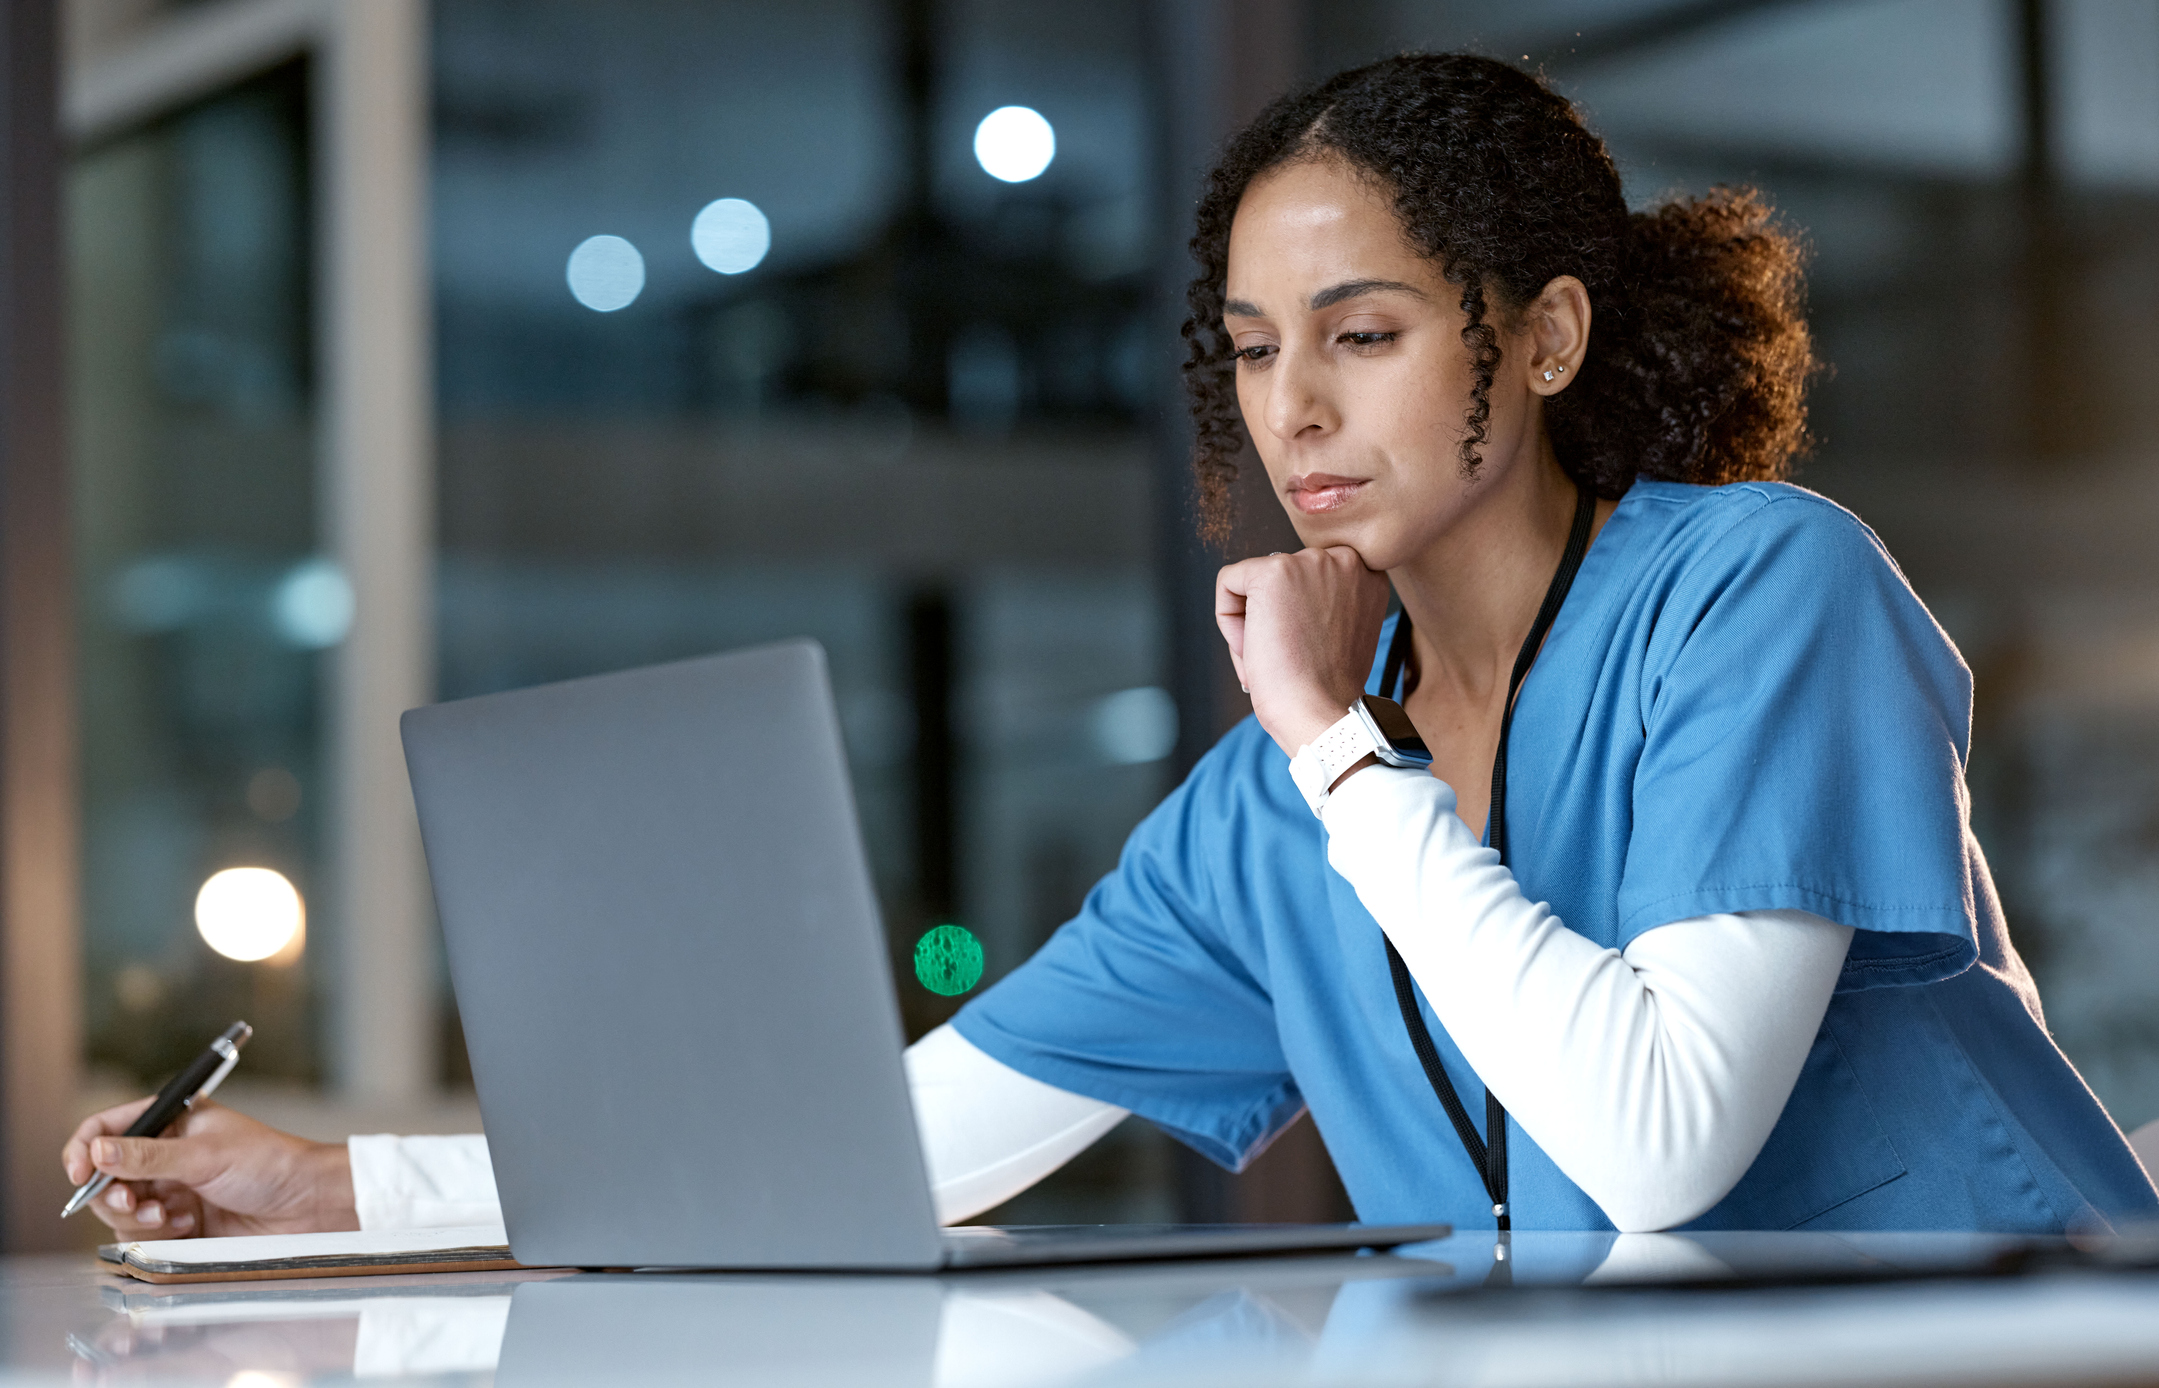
1770, 563
1703, 513
1776, 526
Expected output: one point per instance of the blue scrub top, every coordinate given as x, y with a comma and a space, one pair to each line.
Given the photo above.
1741, 707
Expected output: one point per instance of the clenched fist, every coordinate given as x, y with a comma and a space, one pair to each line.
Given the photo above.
1302, 629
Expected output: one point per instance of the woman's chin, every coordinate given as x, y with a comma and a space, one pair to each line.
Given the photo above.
1364, 535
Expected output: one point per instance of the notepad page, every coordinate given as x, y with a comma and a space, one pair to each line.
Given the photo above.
271, 1248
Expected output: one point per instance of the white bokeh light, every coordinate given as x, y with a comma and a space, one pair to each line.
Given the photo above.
249, 913
1015, 143
731, 235
313, 605
606, 273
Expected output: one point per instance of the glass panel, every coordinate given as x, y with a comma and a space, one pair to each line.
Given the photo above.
740, 338
203, 606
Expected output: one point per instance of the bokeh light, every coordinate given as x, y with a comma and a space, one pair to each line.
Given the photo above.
1014, 143
249, 913
313, 605
1134, 726
606, 273
948, 960
731, 235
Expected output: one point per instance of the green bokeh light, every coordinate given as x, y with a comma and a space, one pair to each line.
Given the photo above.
948, 960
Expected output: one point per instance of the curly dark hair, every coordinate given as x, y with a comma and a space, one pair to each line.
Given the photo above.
1700, 355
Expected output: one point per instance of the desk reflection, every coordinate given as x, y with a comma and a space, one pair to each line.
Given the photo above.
374, 1328
1261, 1319
1012, 1329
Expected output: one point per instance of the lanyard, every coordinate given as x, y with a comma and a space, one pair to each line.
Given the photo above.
1487, 1153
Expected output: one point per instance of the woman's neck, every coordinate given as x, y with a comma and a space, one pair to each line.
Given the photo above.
1473, 594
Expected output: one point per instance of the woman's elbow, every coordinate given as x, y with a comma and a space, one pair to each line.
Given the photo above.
1663, 1196
1651, 1212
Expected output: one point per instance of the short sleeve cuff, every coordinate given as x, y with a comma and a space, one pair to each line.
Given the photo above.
1893, 946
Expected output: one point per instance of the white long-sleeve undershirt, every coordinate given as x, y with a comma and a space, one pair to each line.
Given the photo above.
988, 1132
1650, 1077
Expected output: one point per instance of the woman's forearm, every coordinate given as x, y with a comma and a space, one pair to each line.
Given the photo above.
988, 1133
1651, 1078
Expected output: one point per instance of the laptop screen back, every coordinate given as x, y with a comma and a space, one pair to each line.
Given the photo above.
668, 962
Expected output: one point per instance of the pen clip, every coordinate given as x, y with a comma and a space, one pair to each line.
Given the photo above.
231, 1053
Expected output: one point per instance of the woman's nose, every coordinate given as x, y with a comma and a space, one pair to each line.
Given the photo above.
1296, 399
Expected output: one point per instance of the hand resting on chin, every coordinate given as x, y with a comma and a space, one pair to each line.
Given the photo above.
1302, 630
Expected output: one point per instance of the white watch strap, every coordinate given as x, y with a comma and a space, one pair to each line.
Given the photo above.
1319, 764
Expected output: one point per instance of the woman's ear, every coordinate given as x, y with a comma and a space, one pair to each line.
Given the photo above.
1557, 326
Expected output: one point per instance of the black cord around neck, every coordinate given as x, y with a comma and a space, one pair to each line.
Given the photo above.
1487, 1151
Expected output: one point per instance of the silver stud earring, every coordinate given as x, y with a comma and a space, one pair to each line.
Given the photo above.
1547, 375
1562, 370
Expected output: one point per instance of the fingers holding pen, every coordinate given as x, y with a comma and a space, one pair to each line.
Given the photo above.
149, 1210
137, 1205
177, 1158
152, 1193
75, 1153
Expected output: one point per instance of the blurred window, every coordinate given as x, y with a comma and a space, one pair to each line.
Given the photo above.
203, 605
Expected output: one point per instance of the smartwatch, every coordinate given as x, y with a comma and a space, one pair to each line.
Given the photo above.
1373, 727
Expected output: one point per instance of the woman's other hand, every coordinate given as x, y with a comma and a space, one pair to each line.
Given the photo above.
215, 1172
1302, 629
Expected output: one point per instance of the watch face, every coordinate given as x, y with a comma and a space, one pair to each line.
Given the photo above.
1392, 723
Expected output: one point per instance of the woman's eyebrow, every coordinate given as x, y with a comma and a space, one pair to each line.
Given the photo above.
1351, 289
1326, 298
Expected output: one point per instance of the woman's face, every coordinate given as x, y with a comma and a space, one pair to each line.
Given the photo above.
1351, 369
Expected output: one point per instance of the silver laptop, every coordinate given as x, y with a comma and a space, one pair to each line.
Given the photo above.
675, 988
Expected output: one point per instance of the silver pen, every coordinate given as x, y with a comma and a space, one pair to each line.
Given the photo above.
198, 1081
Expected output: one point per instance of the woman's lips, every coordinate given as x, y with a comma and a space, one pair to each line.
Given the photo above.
1314, 492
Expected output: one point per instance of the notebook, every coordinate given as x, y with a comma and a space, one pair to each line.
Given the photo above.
262, 1257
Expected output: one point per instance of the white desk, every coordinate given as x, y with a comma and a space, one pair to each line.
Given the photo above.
1367, 1320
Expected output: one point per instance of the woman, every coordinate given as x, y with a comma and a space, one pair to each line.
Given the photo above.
1726, 956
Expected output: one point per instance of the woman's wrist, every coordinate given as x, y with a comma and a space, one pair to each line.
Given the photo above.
326, 1174
1305, 722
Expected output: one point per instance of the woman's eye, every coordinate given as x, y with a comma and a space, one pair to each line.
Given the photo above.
1366, 339
1255, 354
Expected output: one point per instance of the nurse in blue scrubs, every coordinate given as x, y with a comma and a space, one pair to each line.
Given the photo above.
1621, 879
1716, 947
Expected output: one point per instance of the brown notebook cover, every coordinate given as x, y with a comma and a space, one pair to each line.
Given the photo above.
266, 1257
